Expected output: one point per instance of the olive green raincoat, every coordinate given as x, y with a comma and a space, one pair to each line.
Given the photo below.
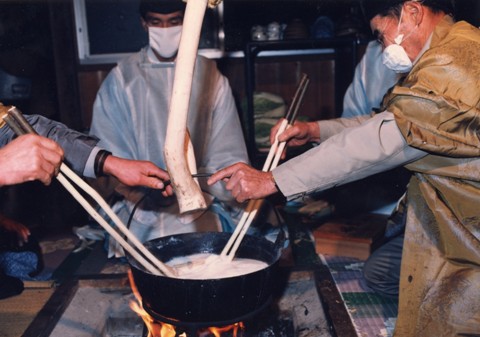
437, 110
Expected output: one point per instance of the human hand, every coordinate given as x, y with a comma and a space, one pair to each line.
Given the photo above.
30, 157
245, 182
138, 173
21, 231
298, 134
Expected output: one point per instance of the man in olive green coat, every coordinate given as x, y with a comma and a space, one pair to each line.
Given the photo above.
437, 110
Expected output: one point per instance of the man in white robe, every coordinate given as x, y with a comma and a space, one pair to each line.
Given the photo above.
130, 117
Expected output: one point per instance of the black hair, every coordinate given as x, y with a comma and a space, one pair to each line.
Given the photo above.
372, 8
160, 6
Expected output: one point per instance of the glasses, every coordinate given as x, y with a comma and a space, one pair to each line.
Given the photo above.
380, 34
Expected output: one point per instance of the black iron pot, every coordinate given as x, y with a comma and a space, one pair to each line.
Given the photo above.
211, 301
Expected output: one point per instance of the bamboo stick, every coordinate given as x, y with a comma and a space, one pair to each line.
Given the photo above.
273, 158
14, 118
168, 271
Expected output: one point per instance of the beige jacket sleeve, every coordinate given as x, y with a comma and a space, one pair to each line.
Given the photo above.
372, 146
331, 127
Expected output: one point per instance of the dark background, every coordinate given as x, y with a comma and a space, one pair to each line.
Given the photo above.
37, 43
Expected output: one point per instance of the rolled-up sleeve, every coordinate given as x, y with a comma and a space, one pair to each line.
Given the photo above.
374, 146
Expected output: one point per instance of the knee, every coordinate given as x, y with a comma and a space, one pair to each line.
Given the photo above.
371, 273
381, 278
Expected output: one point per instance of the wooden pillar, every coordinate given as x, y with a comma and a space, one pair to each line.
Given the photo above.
66, 72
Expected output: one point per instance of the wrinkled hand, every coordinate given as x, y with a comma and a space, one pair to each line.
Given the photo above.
138, 173
30, 157
245, 182
19, 229
300, 133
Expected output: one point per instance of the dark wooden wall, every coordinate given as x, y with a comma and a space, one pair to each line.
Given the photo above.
37, 41
65, 91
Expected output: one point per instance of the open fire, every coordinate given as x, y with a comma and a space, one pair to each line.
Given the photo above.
161, 329
102, 307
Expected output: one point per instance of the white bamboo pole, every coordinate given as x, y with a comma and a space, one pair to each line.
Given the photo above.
168, 271
86, 205
253, 206
188, 193
273, 158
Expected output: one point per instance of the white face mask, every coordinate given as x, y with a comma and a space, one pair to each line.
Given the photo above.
165, 41
394, 56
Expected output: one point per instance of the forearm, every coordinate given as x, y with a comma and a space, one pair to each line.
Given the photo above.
353, 154
77, 146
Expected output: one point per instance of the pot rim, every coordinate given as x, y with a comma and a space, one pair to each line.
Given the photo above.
174, 237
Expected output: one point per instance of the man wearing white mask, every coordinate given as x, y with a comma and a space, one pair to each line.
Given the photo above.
130, 117
379, 69
370, 82
163, 22
429, 123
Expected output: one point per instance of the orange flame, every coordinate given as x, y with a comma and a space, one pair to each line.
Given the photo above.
160, 329
155, 329
217, 332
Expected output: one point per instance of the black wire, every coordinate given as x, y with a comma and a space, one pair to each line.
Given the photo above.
135, 208
166, 183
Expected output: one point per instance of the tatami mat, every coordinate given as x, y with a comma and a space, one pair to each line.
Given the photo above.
16, 313
372, 315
